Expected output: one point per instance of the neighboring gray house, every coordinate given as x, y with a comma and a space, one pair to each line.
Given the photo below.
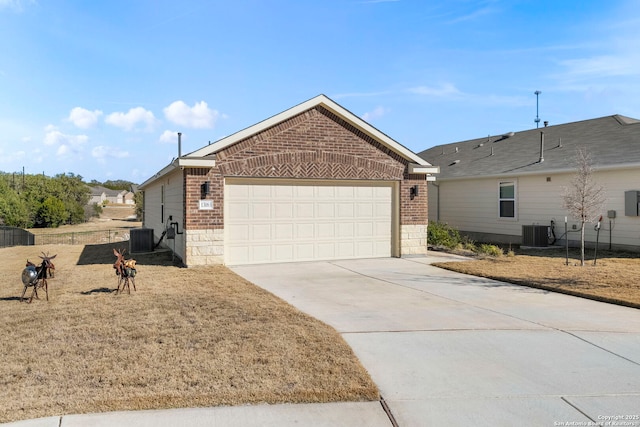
489, 187
314, 182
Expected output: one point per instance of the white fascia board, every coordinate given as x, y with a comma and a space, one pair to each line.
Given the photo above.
190, 162
182, 162
300, 108
423, 169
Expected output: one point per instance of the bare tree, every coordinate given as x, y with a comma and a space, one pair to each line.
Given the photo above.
584, 198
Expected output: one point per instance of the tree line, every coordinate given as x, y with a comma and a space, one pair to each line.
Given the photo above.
33, 201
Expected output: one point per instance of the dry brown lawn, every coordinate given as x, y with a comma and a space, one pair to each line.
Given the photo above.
615, 278
187, 338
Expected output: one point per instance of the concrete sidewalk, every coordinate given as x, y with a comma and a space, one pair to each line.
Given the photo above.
322, 415
444, 349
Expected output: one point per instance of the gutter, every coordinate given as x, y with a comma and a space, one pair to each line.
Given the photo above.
544, 172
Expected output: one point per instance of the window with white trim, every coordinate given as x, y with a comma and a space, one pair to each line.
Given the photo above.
507, 199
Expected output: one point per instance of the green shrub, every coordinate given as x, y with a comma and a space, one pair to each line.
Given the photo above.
441, 234
491, 250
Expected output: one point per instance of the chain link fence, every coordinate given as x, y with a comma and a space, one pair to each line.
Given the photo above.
83, 238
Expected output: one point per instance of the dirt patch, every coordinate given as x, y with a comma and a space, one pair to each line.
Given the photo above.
186, 338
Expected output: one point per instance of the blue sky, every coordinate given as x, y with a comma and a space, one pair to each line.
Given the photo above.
101, 88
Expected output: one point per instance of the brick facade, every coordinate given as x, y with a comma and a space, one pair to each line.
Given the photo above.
316, 144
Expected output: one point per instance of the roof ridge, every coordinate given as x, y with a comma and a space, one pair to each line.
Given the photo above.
625, 120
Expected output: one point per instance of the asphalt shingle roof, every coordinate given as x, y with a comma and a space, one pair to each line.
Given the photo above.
610, 141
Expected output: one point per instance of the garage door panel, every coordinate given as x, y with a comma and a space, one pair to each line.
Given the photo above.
283, 252
345, 193
284, 192
364, 210
365, 249
325, 230
345, 210
283, 232
259, 191
364, 230
260, 253
327, 192
260, 211
346, 230
260, 232
279, 222
326, 210
346, 249
241, 232
364, 192
326, 251
239, 210
304, 210
305, 231
305, 251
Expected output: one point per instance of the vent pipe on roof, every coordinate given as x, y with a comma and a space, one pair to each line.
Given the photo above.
492, 150
560, 142
179, 144
541, 147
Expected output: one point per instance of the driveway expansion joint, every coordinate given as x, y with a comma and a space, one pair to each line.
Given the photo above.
387, 411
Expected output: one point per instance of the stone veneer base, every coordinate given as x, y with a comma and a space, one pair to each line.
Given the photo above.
206, 247
413, 239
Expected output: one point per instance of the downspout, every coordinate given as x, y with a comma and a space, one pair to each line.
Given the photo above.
437, 201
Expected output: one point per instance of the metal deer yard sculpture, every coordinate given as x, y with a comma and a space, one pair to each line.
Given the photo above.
126, 271
36, 277
51, 269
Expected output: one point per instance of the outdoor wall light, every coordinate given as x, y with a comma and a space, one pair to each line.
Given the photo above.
204, 189
413, 192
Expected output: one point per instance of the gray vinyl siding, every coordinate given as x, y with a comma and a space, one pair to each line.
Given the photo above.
173, 206
471, 205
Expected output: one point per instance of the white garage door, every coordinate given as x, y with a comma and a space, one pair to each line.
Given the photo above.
269, 221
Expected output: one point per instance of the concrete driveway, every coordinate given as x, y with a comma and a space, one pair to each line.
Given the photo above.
450, 349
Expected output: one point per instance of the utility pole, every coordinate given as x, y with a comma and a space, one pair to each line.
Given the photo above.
537, 120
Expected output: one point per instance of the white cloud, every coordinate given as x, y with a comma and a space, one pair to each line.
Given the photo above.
84, 119
359, 94
443, 90
375, 114
200, 116
11, 157
101, 153
129, 120
17, 5
67, 144
169, 137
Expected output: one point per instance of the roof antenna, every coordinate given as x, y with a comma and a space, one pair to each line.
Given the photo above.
537, 120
